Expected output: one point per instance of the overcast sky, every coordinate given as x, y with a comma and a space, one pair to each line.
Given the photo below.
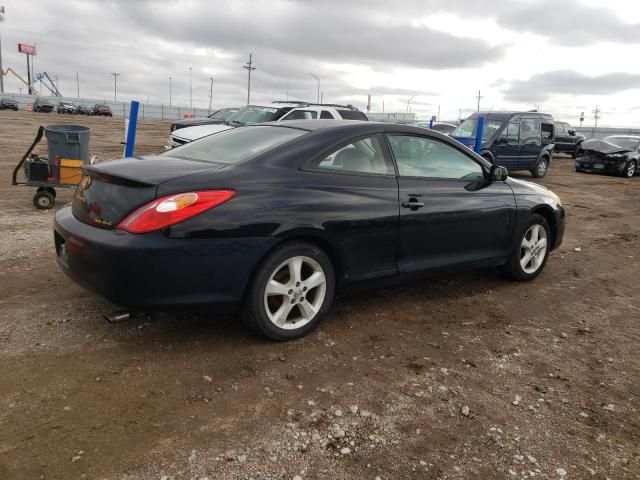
564, 56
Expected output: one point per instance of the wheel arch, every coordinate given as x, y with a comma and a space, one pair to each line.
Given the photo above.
547, 213
310, 236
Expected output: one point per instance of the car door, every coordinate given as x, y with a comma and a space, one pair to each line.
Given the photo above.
355, 193
506, 149
450, 214
530, 142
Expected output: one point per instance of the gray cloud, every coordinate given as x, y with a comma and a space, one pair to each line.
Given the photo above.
542, 86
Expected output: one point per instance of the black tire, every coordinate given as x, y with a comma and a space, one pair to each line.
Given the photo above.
630, 169
513, 268
255, 306
578, 152
541, 168
44, 200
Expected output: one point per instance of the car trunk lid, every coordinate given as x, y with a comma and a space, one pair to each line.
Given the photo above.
109, 191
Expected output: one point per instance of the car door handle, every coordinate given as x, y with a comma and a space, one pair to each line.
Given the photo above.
413, 204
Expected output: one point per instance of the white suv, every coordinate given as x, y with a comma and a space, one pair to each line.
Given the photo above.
276, 112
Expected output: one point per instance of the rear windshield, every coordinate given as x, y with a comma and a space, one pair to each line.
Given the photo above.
352, 115
235, 145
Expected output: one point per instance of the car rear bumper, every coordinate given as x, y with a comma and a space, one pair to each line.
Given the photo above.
154, 271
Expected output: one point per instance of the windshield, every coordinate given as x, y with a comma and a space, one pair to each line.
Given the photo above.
468, 129
223, 114
624, 142
253, 114
234, 145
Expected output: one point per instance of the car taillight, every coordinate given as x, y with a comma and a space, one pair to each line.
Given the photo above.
166, 211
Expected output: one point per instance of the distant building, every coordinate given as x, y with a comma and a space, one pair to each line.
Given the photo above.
392, 117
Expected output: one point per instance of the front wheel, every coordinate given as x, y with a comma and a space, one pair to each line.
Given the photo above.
530, 254
630, 169
291, 290
541, 168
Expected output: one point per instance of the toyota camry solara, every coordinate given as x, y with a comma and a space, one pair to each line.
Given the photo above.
274, 219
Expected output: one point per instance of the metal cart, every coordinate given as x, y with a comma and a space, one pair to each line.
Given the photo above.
47, 174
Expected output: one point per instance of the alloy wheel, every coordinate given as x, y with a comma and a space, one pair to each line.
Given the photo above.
295, 293
533, 248
542, 168
631, 169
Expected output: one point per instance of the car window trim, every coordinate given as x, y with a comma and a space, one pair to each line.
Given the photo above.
307, 165
483, 167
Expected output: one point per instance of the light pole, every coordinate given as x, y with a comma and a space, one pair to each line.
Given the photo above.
169, 91
78, 85
1, 70
249, 68
115, 86
317, 80
210, 94
190, 90
409, 102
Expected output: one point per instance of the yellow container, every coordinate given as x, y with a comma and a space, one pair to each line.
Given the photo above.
70, 171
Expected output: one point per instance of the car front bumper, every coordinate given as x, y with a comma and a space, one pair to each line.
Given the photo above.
154, 271
601, 166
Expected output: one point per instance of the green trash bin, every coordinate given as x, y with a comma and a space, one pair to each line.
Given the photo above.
67, 141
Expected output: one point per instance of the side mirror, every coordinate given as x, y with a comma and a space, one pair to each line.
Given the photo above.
572, 132
498, 173
502, 141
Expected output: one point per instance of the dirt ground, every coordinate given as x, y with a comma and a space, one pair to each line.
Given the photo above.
458, 377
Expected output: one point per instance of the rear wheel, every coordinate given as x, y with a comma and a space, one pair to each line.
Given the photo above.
291, 290
630, 169
530, 255
540, 169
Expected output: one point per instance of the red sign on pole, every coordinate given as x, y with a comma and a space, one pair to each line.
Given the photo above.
28, 49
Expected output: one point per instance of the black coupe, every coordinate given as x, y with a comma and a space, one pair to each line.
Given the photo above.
276, 218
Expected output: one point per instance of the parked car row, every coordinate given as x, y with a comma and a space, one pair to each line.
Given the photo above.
46, 105
278, 111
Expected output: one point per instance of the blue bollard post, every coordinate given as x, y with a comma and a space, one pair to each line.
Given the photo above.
131, 131
479, 131
431, 123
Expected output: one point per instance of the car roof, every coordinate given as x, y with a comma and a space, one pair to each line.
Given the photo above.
507, 114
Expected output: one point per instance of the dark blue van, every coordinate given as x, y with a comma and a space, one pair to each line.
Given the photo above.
515, 140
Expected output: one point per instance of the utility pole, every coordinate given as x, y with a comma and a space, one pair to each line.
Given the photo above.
596, 116
78, 85
210, 94
438, 117
581, 118
249, 68
287, 91
1, 68
479, 97
460, 116
190, 90
169, 91
317, 80
115, 86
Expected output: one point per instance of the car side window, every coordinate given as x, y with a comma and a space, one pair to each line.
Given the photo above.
511, 134
560, 128
364, 155
530, 131
426, 157
326, 115
301, 115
